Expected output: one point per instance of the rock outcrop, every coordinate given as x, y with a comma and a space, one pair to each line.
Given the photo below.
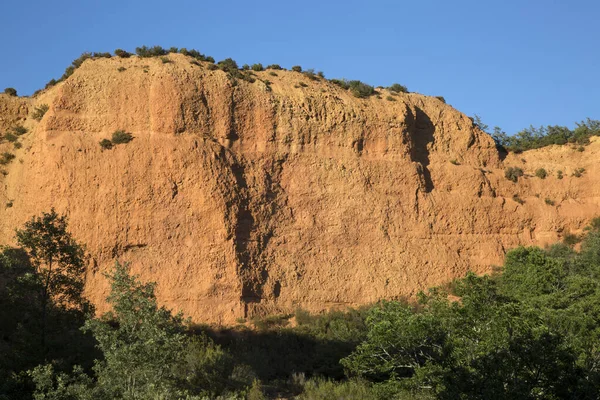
244, 199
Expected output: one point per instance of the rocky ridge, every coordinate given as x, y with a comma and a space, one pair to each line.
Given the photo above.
244, 199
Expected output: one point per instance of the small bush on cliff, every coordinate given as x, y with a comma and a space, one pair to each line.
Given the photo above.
310, 74
122, 53
340, 82
297, 68
513, 173
274, 66
101, 55
154, 51
559, 174
541, 173
19, 130
257, 67
360, 89
39, 112
106, 144
6, 158
398, 88
10, 137
10, 91
120, 137
230, 66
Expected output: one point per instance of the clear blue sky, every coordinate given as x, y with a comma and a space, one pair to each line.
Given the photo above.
514, 63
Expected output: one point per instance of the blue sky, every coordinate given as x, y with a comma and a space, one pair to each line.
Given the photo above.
514, 63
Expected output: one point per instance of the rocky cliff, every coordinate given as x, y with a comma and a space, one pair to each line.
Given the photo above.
244, 199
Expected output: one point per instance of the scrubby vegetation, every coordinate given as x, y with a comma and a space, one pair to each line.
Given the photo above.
535, 138
228, 65
578, 172
529, 331
122, 53
39, 112
513, 173
10, 91
118, 137
6, 158
398, 88
360, 89
541, 173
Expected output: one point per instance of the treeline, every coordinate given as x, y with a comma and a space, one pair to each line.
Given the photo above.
228, 65
529, 331
535, 138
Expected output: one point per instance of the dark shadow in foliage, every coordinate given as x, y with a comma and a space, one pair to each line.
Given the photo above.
314, 347
41, 310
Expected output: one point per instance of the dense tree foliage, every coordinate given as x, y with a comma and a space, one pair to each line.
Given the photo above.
529, 331
534, 138
41, 302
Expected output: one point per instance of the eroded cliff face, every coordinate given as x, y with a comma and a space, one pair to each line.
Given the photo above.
240, 201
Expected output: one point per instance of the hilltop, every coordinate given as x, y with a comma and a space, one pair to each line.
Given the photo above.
261, 192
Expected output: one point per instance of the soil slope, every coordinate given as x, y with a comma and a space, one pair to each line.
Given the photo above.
243, 199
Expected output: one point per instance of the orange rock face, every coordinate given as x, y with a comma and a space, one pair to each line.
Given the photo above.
244, 199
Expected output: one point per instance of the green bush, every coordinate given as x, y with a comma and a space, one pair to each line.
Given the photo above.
578, 172
274, 66
122, 53
398, 88
106, 144
121, 69
441, 98
513, 173
548, 201
19, 130
360, 89
257, 67
154, 51
39, 112
340, 82
571, 239
120, 137
228, 65
310, 74
50, 83
302, 84
541, 173
101, 55
390, 98
297, 68
6, 158
245, 67
534, 138
165, 60
10, 137
10, 91
559, 174
273, 73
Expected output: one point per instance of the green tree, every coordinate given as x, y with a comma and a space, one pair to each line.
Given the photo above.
141, 342
58, 261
